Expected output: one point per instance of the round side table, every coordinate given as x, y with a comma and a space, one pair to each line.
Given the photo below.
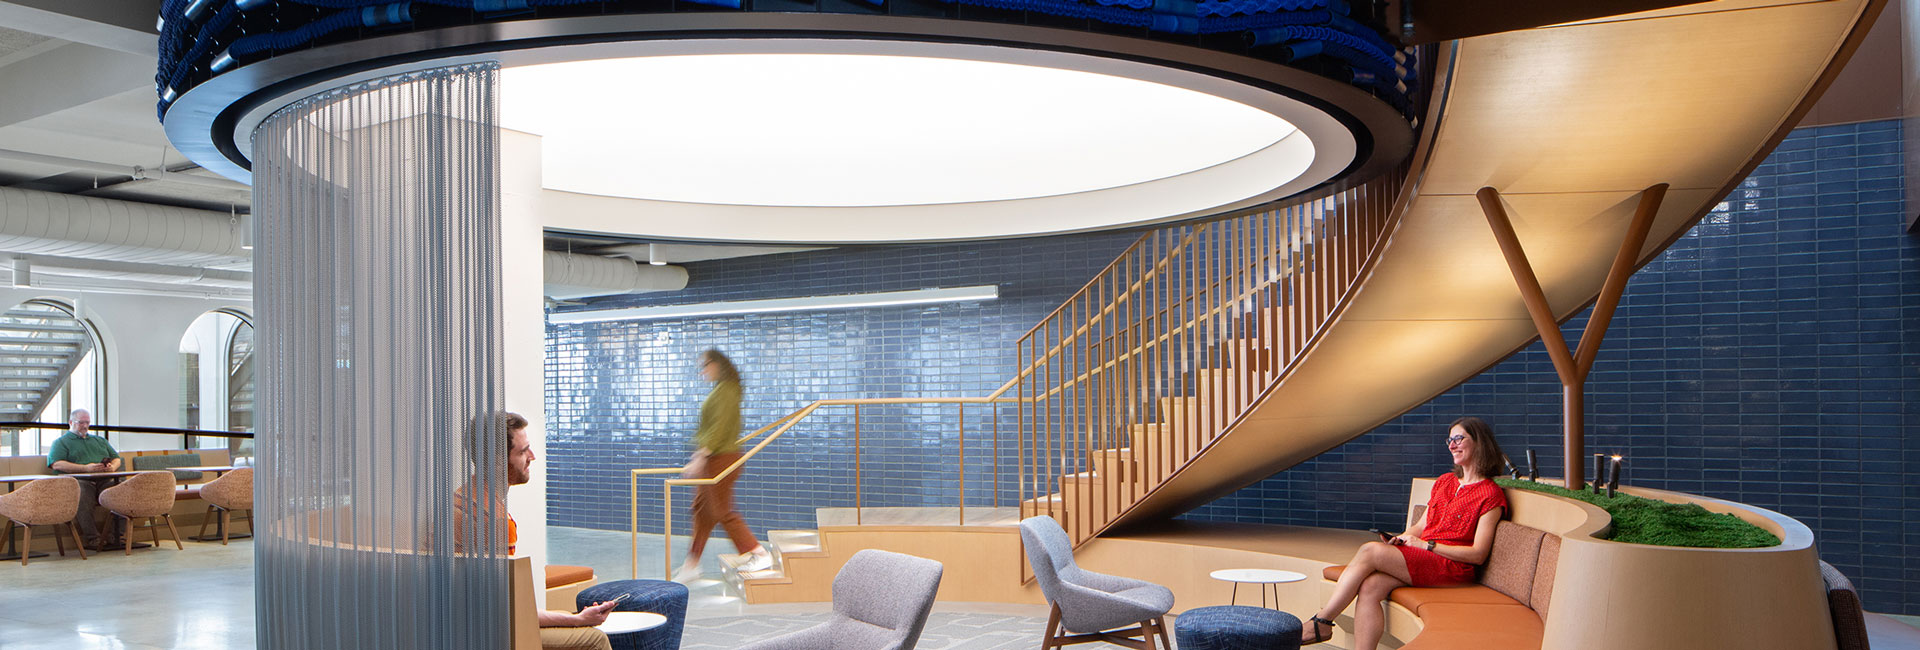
1266, 578
620, 624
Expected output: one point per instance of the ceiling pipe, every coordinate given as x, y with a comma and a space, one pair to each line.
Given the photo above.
93, 285
64, 225
136, 171
138, 272
571, 275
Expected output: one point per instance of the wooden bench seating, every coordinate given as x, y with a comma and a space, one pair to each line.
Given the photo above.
1506, 610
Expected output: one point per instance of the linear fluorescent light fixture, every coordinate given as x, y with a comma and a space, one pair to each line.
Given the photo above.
809, 303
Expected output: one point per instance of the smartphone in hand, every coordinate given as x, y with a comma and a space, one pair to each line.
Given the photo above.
1383, 536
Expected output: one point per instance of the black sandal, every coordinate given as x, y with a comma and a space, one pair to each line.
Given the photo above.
1315, 621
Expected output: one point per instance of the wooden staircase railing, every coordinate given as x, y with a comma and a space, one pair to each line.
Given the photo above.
1164, 350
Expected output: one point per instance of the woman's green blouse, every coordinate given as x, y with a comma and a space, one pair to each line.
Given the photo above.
720, 420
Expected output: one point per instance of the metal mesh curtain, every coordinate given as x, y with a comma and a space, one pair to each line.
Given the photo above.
377, 266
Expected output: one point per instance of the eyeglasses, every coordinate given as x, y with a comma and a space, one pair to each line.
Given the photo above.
1456, 440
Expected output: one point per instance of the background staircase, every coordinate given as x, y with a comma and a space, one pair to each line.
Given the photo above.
40, 346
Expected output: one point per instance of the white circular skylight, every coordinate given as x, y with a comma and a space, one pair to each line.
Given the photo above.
842, 130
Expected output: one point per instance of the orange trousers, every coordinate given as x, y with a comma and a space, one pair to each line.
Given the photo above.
713, 506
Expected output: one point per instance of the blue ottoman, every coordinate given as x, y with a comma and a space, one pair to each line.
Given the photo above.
1236, 627
661, 597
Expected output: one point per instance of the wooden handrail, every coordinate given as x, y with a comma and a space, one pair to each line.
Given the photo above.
1211, 318
1189, 324
1160, 266
779, 427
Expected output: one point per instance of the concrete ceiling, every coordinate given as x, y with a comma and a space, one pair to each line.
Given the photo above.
78, 78
78, 116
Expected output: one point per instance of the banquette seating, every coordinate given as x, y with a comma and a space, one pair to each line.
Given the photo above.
1507, 609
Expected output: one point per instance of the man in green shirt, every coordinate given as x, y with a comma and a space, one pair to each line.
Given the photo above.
79, 452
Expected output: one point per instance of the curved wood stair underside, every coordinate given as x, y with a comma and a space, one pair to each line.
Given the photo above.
1570, 123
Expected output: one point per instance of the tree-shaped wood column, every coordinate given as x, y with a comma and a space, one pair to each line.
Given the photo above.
1573, 366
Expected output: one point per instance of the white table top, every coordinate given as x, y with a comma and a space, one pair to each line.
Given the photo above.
625, 622
1264, 576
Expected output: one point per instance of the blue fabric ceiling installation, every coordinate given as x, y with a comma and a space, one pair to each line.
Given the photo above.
201, 39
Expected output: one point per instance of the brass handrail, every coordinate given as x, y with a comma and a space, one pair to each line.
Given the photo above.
779, 427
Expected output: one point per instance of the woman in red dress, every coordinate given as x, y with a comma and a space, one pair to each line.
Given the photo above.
1445, 547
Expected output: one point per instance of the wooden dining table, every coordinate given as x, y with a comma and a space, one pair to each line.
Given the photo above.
215, 470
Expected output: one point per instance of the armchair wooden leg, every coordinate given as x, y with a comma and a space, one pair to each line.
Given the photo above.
1157, 626
129, 537
1051, 640
75, 531
59, 542
226, 525
203, 524
171, 531
26, 544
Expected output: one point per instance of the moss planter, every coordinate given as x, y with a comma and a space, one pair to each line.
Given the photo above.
1639, 520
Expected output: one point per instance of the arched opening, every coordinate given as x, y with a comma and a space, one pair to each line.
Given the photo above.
216, 379
50, 364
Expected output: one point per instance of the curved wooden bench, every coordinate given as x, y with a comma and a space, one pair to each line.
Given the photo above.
1670, 597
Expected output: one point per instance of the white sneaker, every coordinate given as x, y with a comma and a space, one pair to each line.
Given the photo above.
687, 573
761, 561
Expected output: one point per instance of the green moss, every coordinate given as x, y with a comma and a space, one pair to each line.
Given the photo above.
1639, 520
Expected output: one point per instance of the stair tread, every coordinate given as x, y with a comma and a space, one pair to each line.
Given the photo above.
795, 543
732, 564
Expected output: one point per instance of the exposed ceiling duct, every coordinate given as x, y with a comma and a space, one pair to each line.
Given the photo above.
79, 241
136, 172
136, 272
64, 225
572, 276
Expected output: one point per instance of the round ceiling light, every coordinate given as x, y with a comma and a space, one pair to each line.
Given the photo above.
843, 130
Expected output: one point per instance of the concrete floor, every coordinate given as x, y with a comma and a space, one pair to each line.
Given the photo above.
159, 597
203, 598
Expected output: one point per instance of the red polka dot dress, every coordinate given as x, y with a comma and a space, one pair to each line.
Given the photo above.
1453, 510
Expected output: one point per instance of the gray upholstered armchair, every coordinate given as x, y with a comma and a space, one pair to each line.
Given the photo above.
880, 602
1091, 606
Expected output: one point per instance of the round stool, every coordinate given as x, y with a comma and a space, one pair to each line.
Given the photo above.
1235, 627
661, 597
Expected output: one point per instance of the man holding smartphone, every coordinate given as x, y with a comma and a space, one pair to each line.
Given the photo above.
558, 630
79, 452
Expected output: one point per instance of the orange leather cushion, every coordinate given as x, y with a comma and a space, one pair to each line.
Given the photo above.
561, 574
1450, 626
1417, 599
1414, 598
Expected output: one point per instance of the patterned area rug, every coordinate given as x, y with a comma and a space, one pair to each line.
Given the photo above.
945, 631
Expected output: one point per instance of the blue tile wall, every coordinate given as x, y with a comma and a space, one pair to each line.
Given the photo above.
1771, 357
623, 394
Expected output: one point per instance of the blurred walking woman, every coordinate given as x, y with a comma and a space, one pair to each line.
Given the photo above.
1445, 547
716, 447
